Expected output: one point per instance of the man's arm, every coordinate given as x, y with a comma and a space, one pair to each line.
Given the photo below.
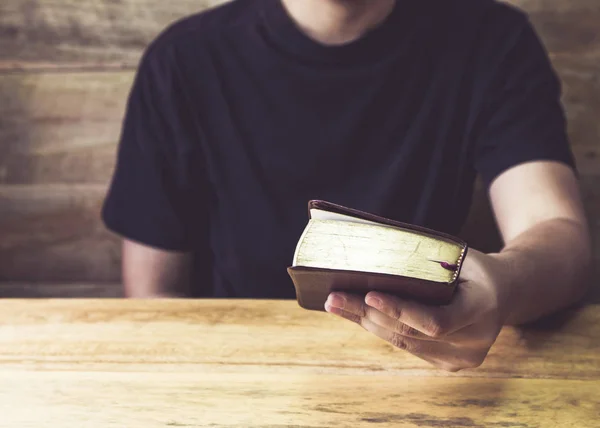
542, 268
155, 201
547, 246
154, 273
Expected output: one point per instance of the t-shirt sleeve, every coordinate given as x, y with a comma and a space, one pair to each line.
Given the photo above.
523, 119
156, 192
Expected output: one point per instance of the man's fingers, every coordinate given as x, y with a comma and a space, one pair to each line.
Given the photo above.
354, 308
433, 321
441, 354
413, 317
344, 314
410, 316
475, 334
393, 324
346, 302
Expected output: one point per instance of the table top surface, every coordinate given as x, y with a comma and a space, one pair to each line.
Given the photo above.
255, 364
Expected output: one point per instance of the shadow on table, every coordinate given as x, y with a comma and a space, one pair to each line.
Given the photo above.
540, 334
452, 404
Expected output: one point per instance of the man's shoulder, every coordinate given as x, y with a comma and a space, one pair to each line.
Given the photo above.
195, 30
476, 25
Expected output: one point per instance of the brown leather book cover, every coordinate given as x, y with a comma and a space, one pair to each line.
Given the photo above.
313, 285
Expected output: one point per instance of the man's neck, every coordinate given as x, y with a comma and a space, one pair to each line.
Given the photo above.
336, 22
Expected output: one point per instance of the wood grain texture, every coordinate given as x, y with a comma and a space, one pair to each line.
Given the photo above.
266, 400
267, 364
262, 335
566, 27
60, 290
90, 33
580, 77
84, 33
54, 233
60, 127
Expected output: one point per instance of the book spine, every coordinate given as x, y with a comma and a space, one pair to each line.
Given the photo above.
463, 254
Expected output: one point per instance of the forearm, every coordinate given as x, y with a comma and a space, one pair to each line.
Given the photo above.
155, 285
546, 269
152, 273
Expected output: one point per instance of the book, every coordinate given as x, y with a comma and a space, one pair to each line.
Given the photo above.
344, 249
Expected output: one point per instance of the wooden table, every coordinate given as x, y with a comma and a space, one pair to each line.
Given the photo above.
117, 363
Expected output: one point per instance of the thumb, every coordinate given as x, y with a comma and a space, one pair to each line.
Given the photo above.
472, 266
475, 293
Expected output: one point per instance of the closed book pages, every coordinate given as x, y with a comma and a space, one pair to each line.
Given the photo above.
343, 249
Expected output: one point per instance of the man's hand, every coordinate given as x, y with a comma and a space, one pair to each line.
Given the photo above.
452, 337
543, 267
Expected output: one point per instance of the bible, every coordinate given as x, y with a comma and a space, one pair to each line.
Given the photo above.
344, 249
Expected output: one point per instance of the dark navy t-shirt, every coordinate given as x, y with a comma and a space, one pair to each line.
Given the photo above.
237, 118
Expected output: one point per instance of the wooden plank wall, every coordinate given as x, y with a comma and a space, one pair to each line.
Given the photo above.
66, 67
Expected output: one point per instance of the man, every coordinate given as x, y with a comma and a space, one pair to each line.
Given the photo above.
240, 115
